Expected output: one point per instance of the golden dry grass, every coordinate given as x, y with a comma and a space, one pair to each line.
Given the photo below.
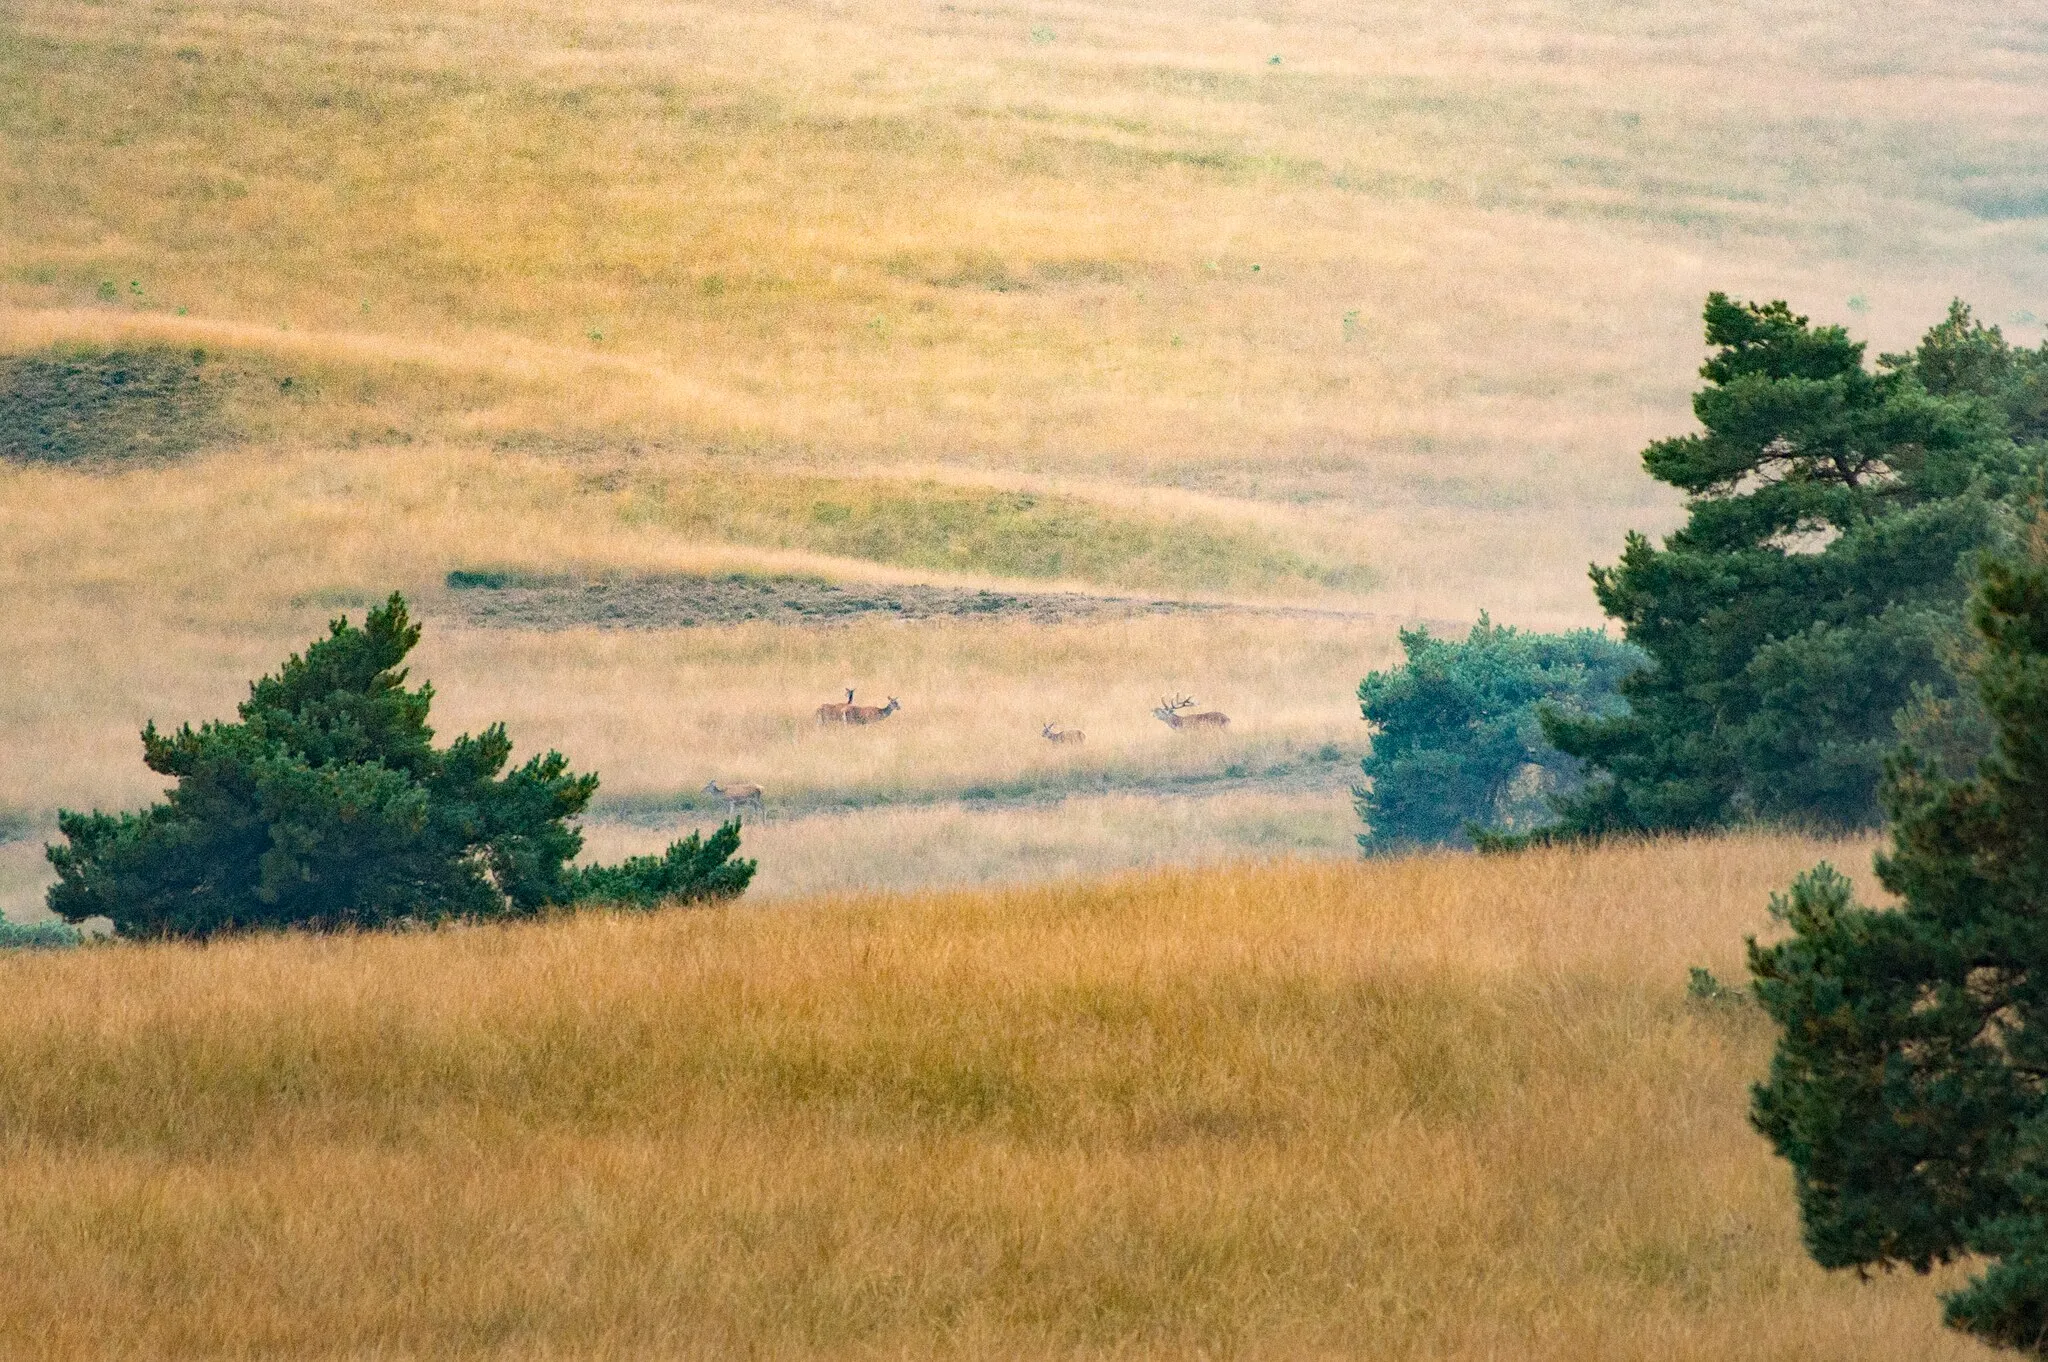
649, 286
960, 844
915, 229
161, 593
1435, 271
1436, 1108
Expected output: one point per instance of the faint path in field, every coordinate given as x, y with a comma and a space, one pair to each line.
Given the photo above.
1314, 773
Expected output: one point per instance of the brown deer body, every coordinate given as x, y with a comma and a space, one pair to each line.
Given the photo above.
872, 714
736, 796
1062, 735
834, 711
1169, 713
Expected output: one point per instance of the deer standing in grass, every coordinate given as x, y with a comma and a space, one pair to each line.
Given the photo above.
834, 711
872, 714
1062, 735
737, 796
1169, 713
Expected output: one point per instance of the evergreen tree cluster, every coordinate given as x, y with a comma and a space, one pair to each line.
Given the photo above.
327, 806
1807, 616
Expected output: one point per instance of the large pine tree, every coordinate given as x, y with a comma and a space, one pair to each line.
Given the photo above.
1910, 1085
1817, 585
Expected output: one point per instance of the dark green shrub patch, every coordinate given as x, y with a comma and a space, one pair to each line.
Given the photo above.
1458, 743
84, 406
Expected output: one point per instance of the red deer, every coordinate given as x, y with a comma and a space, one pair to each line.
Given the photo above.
834, 712
1073, 735
1169, 713
736, 796
872, 714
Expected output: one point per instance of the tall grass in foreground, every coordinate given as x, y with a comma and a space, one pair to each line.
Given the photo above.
1430, 1108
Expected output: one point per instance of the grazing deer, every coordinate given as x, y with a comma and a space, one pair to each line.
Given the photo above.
1169, 713
736, 796
872, 714
834, 711
1073, 735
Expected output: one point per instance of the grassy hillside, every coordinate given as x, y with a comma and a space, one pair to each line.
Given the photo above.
1436, 267
1361, 306
1435, 1108
1116, 229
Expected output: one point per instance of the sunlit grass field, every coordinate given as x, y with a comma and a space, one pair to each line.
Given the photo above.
1437, 1108
1361, 306
1430, 271
1343, 316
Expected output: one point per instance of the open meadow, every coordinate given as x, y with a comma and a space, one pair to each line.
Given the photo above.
1445, 1107
1030, 362
1360, 308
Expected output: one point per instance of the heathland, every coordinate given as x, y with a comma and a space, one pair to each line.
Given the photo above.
1364, 307
1169, 347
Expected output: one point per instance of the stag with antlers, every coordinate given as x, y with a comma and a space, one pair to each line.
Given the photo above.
1169, 713
1053, 733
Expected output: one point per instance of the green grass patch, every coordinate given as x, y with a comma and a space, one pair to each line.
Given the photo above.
996, 532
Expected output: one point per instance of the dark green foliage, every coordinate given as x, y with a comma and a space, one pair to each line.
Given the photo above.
91, 406
498, 579
691, 870
1702, 987
1817, 586
1961, 357
1456, 739
328, 806
1910, 1085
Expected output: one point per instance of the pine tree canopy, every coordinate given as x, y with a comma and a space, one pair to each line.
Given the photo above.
1817, 585
1910, 1086
328, 806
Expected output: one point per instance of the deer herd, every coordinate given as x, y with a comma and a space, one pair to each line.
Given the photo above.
1170, 712
847, 712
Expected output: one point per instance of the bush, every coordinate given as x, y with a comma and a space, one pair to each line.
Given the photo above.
38, 936
328, 807
1908, 1085
1458, 744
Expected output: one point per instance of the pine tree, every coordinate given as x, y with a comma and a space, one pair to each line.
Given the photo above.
1817, 586
1909, 1090
328, 806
